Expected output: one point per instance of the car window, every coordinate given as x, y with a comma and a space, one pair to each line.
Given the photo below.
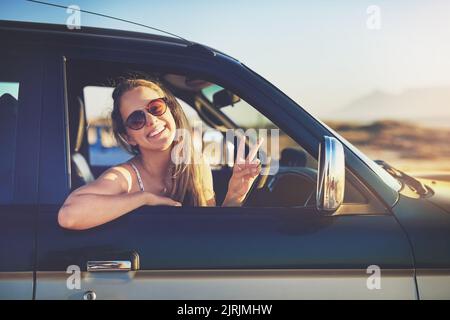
9, 105
289, 172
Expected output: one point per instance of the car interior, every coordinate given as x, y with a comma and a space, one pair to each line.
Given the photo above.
295, 168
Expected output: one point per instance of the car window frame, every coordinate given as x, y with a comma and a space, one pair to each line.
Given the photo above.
370, 207
217, 72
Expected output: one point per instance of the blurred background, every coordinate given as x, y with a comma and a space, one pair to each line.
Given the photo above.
378, 72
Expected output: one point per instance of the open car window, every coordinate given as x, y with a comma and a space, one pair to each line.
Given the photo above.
289, 173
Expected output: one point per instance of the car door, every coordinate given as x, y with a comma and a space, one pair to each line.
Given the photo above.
226, 253
20, 103
216, 253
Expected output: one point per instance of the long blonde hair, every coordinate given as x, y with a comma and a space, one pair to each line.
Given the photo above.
187, 186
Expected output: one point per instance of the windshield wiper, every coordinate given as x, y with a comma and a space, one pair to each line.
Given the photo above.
415, 184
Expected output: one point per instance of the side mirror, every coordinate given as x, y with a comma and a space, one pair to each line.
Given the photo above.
224, 98
331, 175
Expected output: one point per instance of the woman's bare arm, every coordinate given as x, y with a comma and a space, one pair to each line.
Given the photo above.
104, 200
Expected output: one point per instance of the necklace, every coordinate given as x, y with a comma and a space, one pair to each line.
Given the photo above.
164, 189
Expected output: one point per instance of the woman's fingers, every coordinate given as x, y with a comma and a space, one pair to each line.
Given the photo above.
238, 167
241, 169
245, 170
165, 201
240, 155
254, 150
250, 170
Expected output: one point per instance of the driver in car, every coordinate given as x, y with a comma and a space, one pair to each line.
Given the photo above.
145, 118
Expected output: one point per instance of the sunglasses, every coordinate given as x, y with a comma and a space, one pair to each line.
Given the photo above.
138, 119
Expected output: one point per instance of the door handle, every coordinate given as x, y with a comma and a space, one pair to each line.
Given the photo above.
108, 266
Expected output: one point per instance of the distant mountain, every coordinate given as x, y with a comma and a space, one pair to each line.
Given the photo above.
427, 106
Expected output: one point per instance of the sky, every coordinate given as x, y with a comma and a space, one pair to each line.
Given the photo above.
323, 54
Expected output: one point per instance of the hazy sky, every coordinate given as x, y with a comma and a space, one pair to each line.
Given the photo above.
320, 53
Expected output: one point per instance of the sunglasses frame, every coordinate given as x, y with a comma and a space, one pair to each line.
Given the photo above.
147, 109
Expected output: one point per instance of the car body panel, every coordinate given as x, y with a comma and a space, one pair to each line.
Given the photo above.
16, 285
427, 227
440, 193
17, 251
231, 285
433, 284
233, 242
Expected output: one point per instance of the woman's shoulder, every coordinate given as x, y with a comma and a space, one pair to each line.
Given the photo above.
122, 173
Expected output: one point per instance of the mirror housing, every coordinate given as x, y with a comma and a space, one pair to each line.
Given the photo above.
224, 98
330, 176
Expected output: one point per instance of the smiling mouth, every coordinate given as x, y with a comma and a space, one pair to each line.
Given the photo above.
156, 132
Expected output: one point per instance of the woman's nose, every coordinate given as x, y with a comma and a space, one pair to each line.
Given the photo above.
150, 119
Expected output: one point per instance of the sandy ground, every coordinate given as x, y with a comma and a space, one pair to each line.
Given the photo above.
408, 147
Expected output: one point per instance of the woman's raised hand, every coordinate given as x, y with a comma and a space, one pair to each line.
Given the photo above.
245, 171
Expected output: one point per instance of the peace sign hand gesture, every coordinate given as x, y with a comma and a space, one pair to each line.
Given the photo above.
244, 174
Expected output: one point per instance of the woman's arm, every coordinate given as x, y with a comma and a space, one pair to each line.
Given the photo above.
104, 200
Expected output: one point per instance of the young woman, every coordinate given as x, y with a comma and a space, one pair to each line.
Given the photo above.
145, 118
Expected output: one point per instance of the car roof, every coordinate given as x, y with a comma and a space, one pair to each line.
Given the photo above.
60, 28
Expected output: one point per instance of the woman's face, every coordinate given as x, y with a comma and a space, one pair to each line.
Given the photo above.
158, 132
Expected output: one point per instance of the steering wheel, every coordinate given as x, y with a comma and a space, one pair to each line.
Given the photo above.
289, 187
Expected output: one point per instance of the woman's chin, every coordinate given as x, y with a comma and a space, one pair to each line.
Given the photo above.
161, 143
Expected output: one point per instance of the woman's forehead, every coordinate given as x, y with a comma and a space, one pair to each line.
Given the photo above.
137, 98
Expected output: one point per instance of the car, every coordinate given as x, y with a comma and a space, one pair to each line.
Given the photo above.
328, 223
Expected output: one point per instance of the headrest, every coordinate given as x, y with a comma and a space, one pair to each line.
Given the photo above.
293, 157
82, 167
8, 106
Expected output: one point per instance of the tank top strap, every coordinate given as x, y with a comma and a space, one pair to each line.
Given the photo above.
141, 185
